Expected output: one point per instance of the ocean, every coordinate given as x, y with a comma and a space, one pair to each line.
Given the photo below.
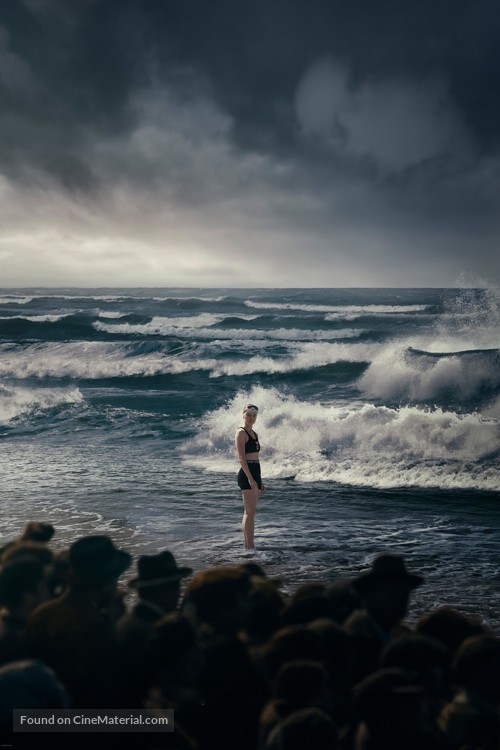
379, 424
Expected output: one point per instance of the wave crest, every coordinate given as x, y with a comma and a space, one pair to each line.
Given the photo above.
403, 373
362, 445
17, 401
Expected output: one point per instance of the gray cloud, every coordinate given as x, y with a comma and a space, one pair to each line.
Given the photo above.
396, 122
169, 143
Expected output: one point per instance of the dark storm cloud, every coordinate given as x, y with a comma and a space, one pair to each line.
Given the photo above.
87, 55
365, 120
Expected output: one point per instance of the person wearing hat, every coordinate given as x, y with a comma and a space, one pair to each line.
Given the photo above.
74, 633
249, 478
158, 588
384, 591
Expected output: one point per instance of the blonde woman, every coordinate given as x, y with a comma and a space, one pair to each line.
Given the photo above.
249, 479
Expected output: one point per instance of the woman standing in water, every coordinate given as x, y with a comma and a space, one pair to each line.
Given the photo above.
249, 480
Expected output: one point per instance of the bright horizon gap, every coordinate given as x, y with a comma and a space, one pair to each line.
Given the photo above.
243, 288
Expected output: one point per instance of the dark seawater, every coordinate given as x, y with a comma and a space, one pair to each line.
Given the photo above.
379, 421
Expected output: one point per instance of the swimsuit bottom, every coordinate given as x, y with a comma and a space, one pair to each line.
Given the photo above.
243, 482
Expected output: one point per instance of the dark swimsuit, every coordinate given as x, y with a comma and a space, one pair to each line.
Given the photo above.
251, 446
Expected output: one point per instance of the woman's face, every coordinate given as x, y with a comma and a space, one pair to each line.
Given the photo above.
250, 416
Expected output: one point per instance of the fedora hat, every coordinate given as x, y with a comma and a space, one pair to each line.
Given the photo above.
156, 570
94, 560
384, 568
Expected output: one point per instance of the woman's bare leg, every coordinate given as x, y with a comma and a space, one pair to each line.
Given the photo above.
250, 501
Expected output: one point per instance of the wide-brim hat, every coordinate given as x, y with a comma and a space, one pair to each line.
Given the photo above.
158, 570
384, 568
94, 560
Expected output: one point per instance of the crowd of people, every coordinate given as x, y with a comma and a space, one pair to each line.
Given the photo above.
331, 666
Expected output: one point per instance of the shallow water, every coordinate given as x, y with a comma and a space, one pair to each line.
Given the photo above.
378, 420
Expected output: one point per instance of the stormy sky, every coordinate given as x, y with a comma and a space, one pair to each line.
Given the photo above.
250, 143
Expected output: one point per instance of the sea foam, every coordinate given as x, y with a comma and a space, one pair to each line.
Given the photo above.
195, 328
15, 401
338, 309
401, 373
356, 444
96, 359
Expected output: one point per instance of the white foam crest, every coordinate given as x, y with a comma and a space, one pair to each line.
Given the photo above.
340, 310
103, 359
97, 297
188, 299
360, 444
8, 299
354, 312
170, 327
49, 318
161, 325
281, 334
17, 401
347, 317
91, 360
396, 373
110, 314
306, 357
400, 474
46, 295
15, 300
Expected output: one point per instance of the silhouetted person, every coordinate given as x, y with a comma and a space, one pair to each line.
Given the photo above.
425, 661
392, 713
74, 633
342, 600
22, 588
176, 663
233, 693
217, 600
263, 612
307, 603
307, 728
29, 685
288, 644
450, 627
337, 656
27, 548
37, 531
299, 684
472, 719
158, 586
384, 591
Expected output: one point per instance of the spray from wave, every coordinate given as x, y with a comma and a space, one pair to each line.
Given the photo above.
459, 361
359, 444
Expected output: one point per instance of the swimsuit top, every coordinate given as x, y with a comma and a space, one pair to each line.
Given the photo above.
252, 444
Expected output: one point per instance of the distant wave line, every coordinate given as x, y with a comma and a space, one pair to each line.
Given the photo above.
339, 309
164, 327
